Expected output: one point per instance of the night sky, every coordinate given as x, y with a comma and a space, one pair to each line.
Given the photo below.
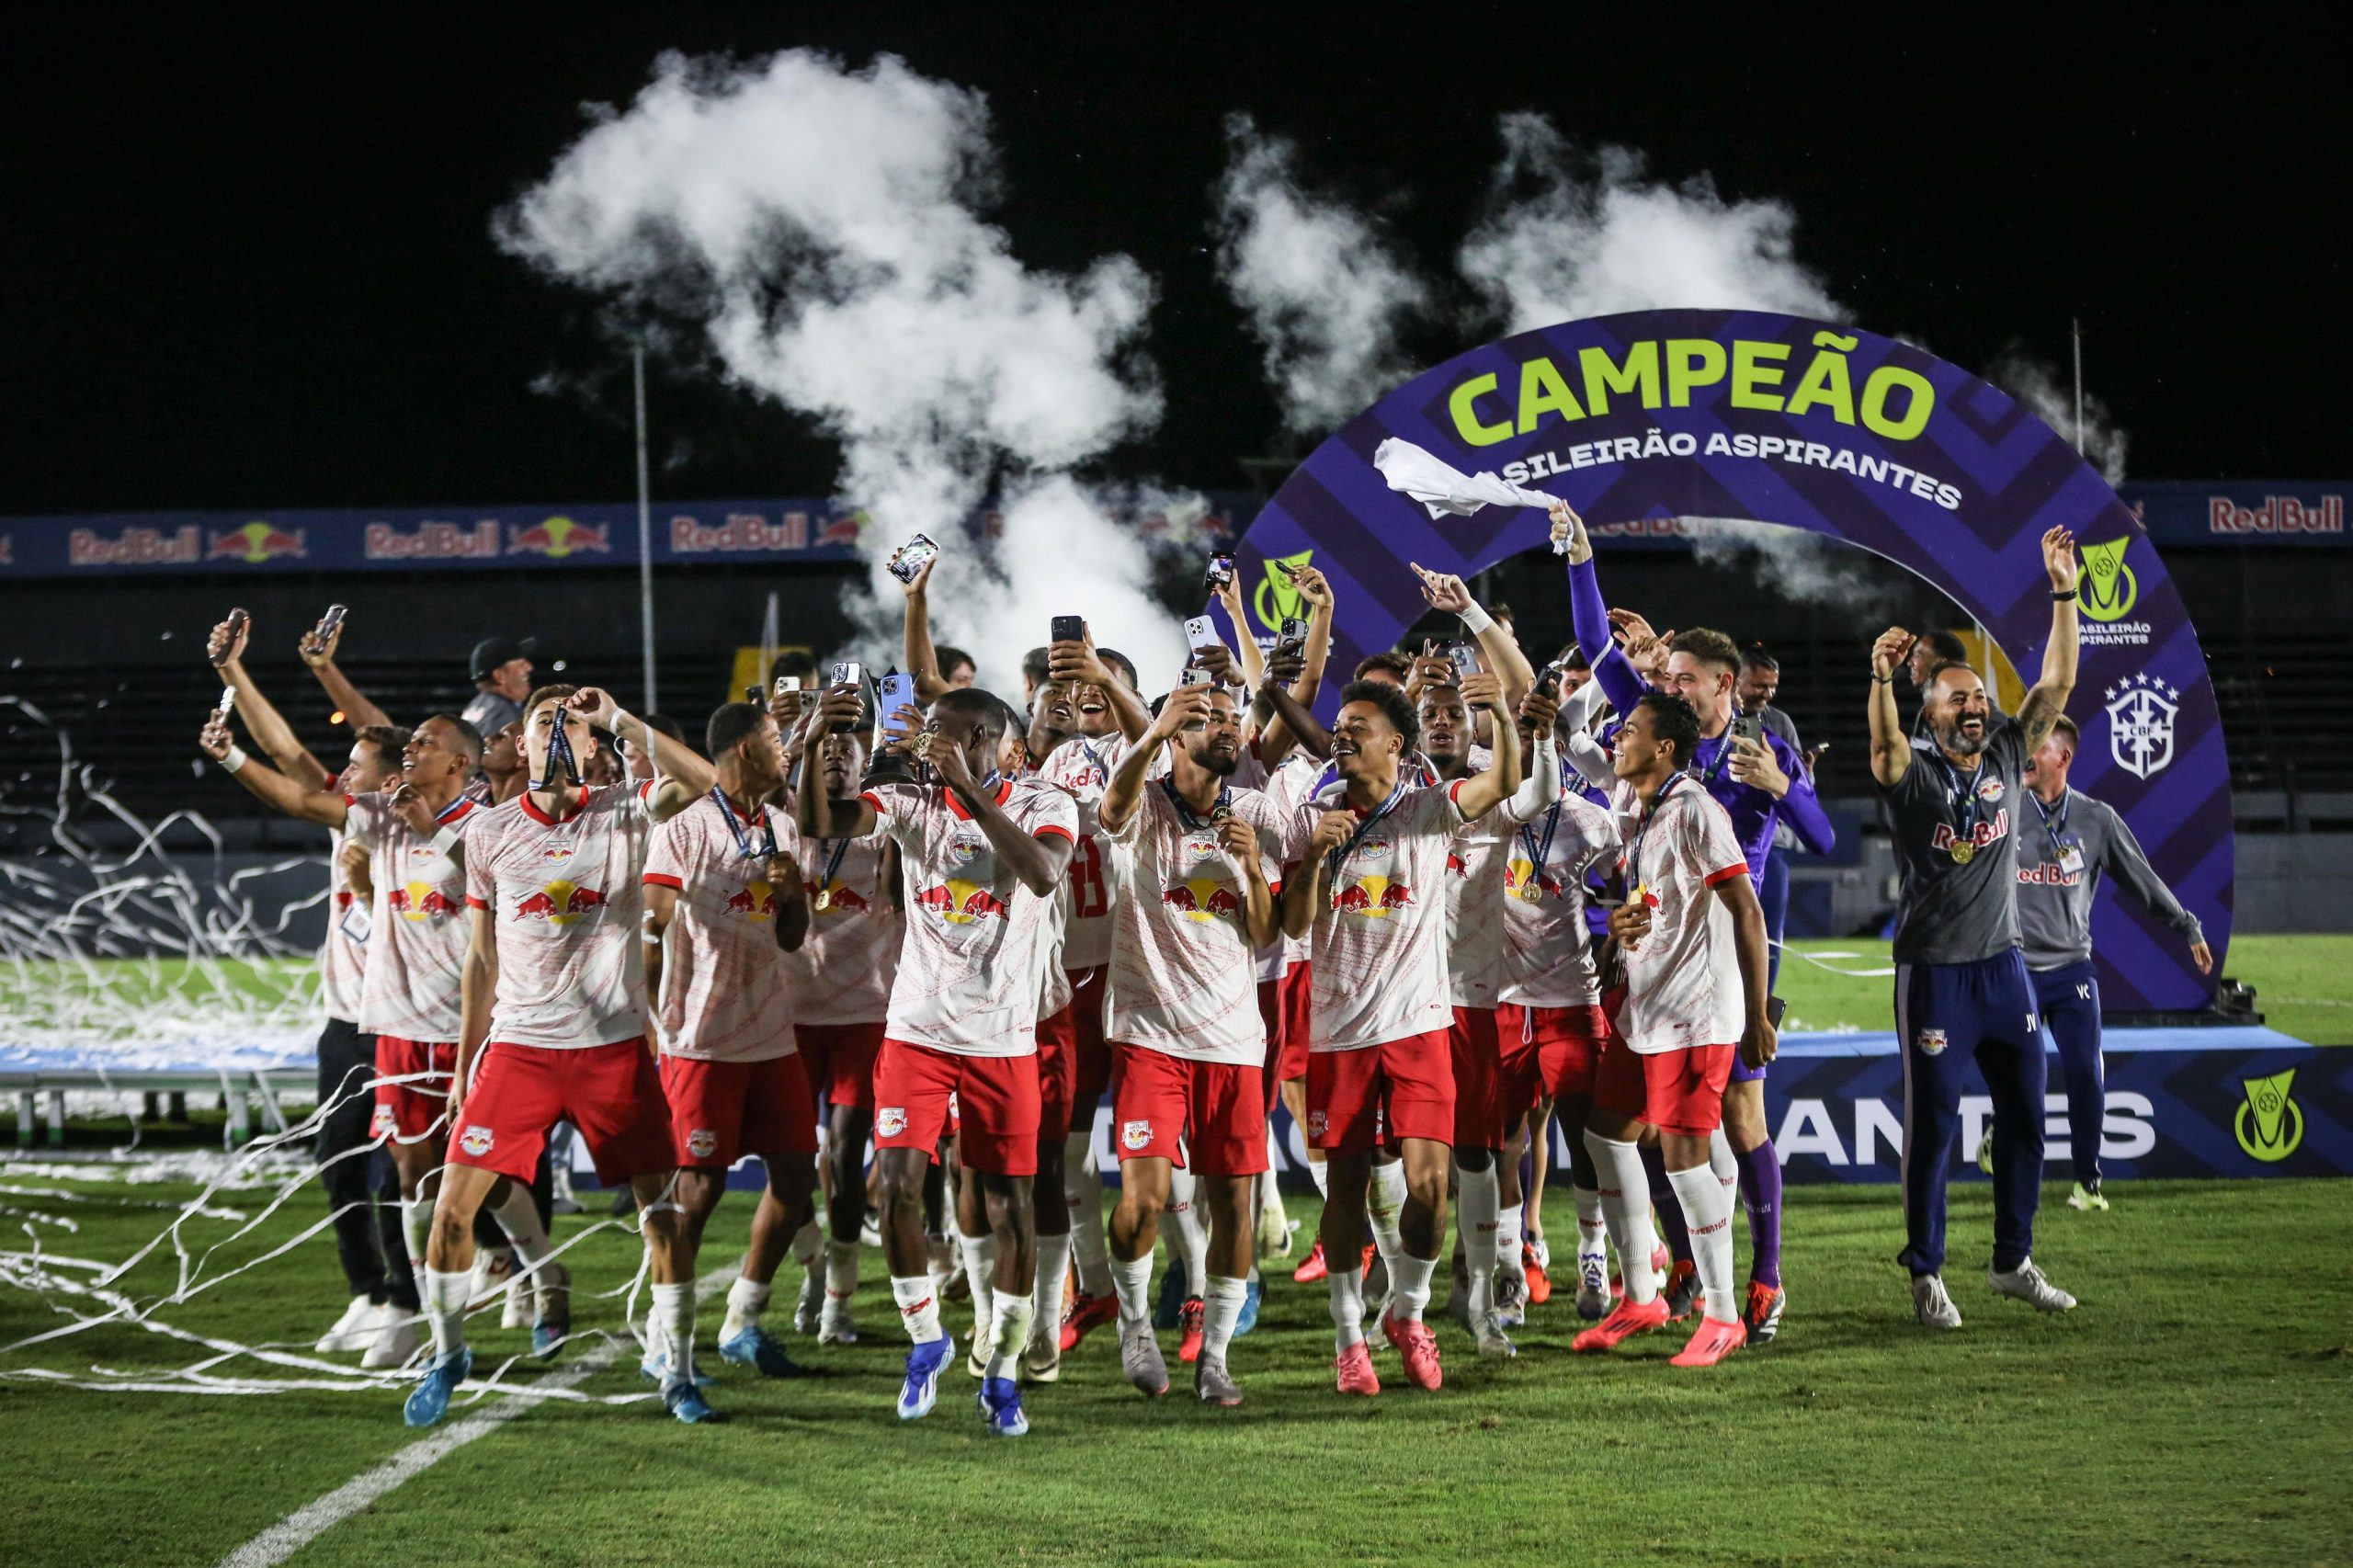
248, 259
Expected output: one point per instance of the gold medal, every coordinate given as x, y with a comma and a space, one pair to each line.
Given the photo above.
1964, 852
824, 901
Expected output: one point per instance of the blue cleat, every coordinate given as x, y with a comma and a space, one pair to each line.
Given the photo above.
751, 1346
921, 1391
430, 1401
655, 1369
1171, 1304
1247, 1318
685, 1401
1001, 1408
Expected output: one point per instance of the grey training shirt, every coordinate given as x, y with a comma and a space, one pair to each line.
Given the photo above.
2060, 854
1956, 913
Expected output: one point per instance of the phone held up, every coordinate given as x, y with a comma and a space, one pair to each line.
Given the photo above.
1219, 576
1068, 629
908, 559
849, 672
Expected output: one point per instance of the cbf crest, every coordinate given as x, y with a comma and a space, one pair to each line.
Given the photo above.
2139, 724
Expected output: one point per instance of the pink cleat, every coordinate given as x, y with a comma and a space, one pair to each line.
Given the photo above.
1419, 1348
1353, 1369
1714, 1340
1625, 1321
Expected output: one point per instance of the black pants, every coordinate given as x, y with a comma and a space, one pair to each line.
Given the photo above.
364, 1189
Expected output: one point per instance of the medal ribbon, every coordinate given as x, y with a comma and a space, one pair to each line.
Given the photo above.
1339, 857
1965, 802
743, 839
2052, 826
1634, 849
1224, 804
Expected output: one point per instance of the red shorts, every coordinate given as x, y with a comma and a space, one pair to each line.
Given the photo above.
720, 1111
1546, 1051
1385, 1093
1057, 1075
1218, 1109
1299, 1022
1477, 1056
413, 1108
1680, 1092
1086, 1004
839, 1060
611, 1093
996, 1099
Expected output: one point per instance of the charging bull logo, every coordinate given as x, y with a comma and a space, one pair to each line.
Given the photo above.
839, 898
960, 902
476, 1141
420, 901
1135, 1135
557, 538
1199, 898
257, 542
2269, 1125
1375, 897
1522, 879
755, 900
561, 903
702, 1144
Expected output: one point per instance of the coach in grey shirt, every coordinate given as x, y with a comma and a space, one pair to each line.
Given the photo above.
502, 672
2065, 840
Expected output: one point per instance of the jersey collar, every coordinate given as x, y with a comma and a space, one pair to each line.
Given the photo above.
956, 803
531, 810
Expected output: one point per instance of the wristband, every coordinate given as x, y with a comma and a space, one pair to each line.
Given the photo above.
234, 760
1887, 679
2059, 598
622, 716
1476, 619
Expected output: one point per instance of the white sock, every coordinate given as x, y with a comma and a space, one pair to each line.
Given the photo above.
1083, 1190
1012, 1336
747, 1300
979, 1269
1384, 1196
1409, 1285
518, 1220
918, 1307
1507, 1237
417, 1225
1053, 1272
1189, 1243
1347, 1308
841, 1273
1270, 1191
674, 1311
808, 1244
1222, 1308
1133, 1283
1625, 1193
1477, 1204
1707, 1211
445, 1308
1721, 1160
1592, 1232
1320, 1173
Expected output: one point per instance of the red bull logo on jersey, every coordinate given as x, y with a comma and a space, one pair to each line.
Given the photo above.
1986, 834
420, 901
560, 901
1375, 897
1523, 879
383, 1124
254, 543
557, 538
475, 1141
753, 900
890, 1121
960, 902
702, 1144
1135, 1135
1202, 899
840, 898
1456, 866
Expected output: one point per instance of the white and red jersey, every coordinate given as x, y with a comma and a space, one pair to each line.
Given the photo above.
1548, 958
1083, 766
417, 926
724, 992
842, 971
1182, 975
1378, 942
968, 969
568, 905
1475, 934
343, 956
1683, 975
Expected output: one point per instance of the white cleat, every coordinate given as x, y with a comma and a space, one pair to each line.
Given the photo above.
2026, 1284
809, 1312
1931, 1305
397, 1343
2085, 1198
1493, 1340
834, 1324
355, 1330
519, 1312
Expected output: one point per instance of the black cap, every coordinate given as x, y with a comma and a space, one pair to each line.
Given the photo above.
493, 651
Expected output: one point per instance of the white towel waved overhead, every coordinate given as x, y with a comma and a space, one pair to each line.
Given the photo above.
1445, 491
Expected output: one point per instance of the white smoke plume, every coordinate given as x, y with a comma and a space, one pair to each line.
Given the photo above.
823, 225
1797, 564
1566, 237
1325, 291
2101, 441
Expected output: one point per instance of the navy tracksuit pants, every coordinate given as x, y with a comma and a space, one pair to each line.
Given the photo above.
1946, 1015
2068, 998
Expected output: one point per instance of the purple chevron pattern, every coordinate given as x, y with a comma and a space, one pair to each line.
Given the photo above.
2016, 478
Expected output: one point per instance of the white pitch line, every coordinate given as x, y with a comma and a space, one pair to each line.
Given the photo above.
307, 1523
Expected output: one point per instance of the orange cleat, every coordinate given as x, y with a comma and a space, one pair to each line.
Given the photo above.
1085, 1314
1680, 1291
1625, 1321
1714, 1340
1353, 1370
1188, 1318
1312, 1269
1418, 1346
1539, 1282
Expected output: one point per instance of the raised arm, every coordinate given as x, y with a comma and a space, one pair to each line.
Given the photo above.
1542, 787
1124, 792
1891, 742
685, 776
270, 732
820, 817
1483, 793
1254, 659
319, 654
265, 784
2047, 698
1505, 661
1589, 614
916, 648
1079, 662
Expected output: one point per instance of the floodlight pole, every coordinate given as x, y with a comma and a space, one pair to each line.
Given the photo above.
644, 531
2076, 326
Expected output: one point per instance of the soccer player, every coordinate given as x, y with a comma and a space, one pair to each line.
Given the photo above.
985, 853
554, 1021
1368, 856
2060, 855
723, 904
1190, 906
1693, 939
1762, 782
1760, 682
1961, 989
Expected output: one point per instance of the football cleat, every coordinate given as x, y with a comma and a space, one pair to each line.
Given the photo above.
1353, 1372
869, 1229
1174, 1293
1931, 1305
1042, 1359
1376, 1281
1762, 1316
1595, 1287
752, 1346
551, 1310
2026, 1284
1083, 1313
1001, 1408
1985, 1150
1710, 1342
1212, 1384
1141, 1359
683, 1400
519, 1309
920, 1391
362, 1320
1492, 1339
976, 1359
1189, 1318
1537, 1269
1252, 1293
1511, 1297
1312, 1269
430, 1401
809, 1309
1625, 1321
2087, 1197
1681, 1291
494, 1268
654, 1368
834, 1324
1418, 1347
396, 1344
1274, 1234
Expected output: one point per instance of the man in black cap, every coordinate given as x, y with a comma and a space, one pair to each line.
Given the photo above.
501, 671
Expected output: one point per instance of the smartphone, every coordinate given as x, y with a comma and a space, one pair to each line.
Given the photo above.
1748, 727
1774, 1008
751, 696
898, 691
1199, 633
1068, 629
1293, 639
1219, 576
909, 559
1466, 658
333, 619
787, 683
1547, 680
849, 672
1192, 677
